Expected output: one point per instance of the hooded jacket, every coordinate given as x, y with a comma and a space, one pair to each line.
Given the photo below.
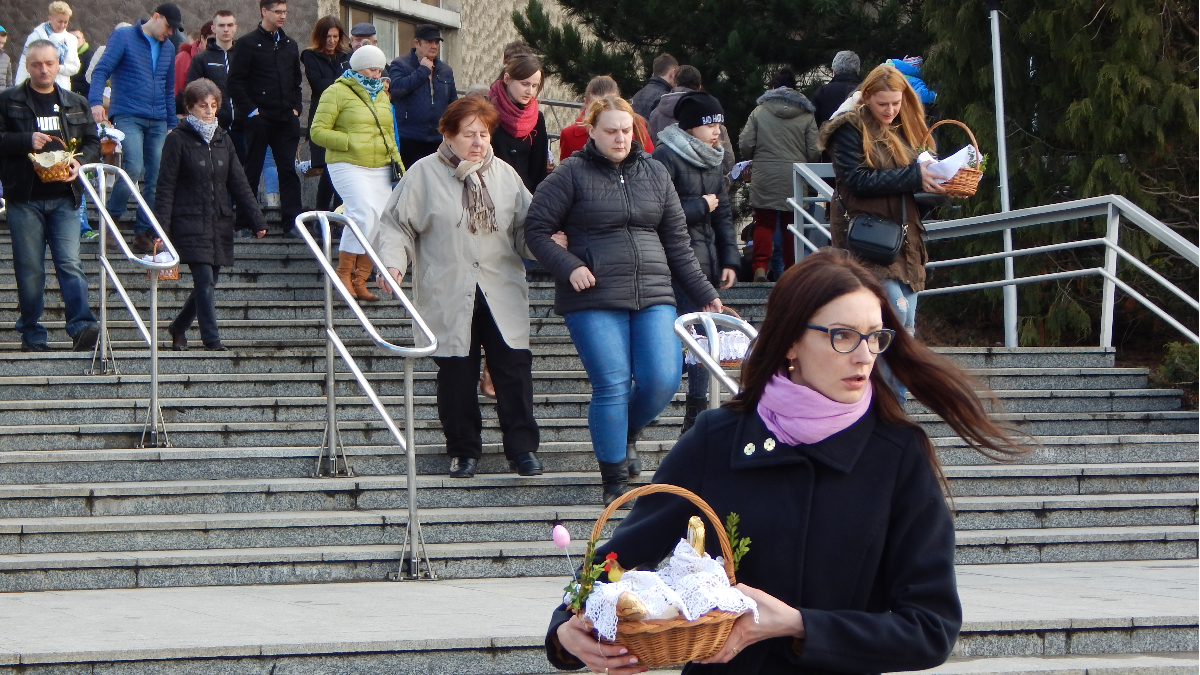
780, 132
663, 116
192, 202
344, 126
853, 531
833, 93
17, 124
68, 54
646, 98
864, 190
711, 232
624, 223
912, 73
212, 63
264, 74
138, 87
419, 101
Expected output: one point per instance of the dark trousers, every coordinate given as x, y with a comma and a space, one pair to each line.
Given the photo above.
201, 304
458, 384
411, 151
283, 137
327, 198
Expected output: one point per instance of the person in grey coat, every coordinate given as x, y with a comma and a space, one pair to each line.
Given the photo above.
780, 132
692, 153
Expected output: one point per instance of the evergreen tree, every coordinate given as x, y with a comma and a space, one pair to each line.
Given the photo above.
1100, 98
735, 44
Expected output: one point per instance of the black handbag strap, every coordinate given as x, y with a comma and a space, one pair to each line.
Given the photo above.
371, 107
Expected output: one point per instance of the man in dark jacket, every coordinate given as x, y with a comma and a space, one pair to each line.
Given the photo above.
212, 63
140, 62
264, 82
38, 116
661, 82
421, 88
833, 93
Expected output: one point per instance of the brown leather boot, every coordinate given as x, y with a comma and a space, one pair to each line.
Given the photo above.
362, 273
345, 270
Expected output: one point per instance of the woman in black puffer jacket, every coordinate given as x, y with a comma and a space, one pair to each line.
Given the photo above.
691, 150
627, 239
198, 174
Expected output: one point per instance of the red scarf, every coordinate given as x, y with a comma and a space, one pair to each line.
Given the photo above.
517, 122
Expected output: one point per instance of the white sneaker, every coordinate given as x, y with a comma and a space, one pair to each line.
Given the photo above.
273, 200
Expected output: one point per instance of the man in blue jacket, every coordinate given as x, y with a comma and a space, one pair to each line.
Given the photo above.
421, 88
139, 65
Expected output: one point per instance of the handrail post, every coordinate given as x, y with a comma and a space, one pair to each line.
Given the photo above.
103, 351
714, 350
154, 416
1108, 302
338, 465
1010, 292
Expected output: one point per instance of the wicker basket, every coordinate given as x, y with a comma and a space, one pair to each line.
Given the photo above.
57, 172
966, 181
171, 274
669, 642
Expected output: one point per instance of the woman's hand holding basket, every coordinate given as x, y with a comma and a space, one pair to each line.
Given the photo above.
577, 637
776, 618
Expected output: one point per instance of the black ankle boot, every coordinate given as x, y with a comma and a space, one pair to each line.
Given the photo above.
694, 406
631, 453
615, 476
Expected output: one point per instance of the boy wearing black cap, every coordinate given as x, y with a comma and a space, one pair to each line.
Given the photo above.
139, 64
691, 151
421, 88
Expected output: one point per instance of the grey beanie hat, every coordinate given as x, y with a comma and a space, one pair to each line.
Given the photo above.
846, 62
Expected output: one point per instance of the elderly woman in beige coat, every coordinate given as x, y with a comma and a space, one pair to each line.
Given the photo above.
459, 216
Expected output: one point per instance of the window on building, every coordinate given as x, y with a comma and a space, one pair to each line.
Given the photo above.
393, 32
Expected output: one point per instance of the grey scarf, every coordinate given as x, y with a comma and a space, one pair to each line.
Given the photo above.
205, 129
481, 212
699, 155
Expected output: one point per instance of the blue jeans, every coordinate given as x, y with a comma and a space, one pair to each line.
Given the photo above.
904, 304
34, 225
270, 175
142, 150
634, 362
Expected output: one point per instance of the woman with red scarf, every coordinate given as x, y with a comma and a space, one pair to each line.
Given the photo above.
521, 138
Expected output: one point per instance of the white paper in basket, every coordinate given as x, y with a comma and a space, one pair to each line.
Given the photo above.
691, 585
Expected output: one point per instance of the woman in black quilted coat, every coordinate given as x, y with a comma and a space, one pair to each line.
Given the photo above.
691, 150
627, 239
198, 174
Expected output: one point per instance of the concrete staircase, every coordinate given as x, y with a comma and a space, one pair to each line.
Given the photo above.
1114, 477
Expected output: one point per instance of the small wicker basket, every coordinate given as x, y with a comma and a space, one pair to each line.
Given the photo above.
669, 642
966, 181
53, 166
171, 274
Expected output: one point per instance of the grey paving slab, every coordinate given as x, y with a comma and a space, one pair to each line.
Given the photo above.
1108, 664
115, 625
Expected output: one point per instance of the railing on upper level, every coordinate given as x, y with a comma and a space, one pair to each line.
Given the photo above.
711, 357
331, 459
155, 428
1111, 207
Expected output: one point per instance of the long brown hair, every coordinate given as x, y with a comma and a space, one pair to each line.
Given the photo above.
936, 382
316, 41
898, 143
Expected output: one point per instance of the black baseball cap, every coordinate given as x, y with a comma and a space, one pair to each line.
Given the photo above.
363, 29
427, 32
171, 13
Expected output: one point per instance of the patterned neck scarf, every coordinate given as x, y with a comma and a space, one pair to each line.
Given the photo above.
205, 129
373, 85
481, 212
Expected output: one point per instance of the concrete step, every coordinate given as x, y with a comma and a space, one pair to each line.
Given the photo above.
476, 560
367, 431
981, 522
31, 467
1153, 663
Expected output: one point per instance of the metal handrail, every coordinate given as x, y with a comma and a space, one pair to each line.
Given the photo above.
712, 358
338, 464
1111, 207
156, 426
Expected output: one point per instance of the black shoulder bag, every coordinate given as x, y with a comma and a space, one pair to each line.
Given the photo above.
397, 171
876, 239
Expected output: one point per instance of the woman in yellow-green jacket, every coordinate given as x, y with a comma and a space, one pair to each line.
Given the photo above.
360, 148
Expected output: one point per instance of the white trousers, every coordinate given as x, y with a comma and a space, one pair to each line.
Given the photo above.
364, 192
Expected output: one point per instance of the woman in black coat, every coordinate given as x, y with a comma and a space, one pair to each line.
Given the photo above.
851, 553
521, 138
327, 57
626, 239
198, 175
691, 150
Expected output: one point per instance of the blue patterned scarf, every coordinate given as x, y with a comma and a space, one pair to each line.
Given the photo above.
373, 85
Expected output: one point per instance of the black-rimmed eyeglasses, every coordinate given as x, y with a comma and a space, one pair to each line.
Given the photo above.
846, 340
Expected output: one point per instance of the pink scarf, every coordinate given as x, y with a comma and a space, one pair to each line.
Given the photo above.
797, 414
517, 122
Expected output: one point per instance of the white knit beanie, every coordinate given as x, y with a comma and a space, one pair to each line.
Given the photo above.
367, 56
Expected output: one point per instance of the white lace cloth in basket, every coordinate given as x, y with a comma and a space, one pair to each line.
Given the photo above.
689, 585
733, 345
